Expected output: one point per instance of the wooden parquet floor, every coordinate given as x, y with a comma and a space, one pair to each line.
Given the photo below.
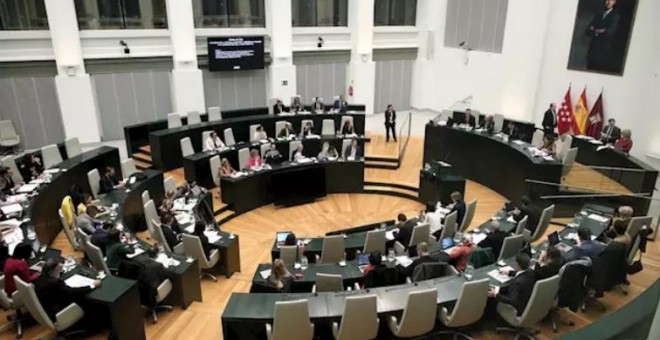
257, 230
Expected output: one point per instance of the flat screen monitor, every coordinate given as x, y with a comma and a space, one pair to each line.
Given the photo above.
299, 185
235, 53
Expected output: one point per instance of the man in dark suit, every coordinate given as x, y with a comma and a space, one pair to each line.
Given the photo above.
340, 104
611, 132
519, 289
353, 150
424, 257
601, 30
494, 239
6, 175
278, 107
109, 181
512, 130
170, 236
550, 262
469, 119
458, 206
405, 230
318, 105
550, 120
390, 122
532, 212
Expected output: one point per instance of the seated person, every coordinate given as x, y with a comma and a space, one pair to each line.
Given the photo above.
518, 291
323, 155
86, 220
17, 265
460, 254
6, 174
458, 206
116, 250
76, 193
423, 257
533, 213
99, 237
611, 133
308, 130
296, 106
376, 274
347, 128
405, 230
298, 155
213, 142
620, 227
549, 145
549, 263
85, 202
317, 105
200, 227
353, 150
255, 161
273, 156
280, 277
340, 104
625, 143
512, 130
225, 169
291, 240
109, 181
170, 235
494, 239
433, 219
286, 131
586, 247
53, 294
260, 134
167, 205
279, 107
488, 124
468, 119
332, 153
624, 213
32, 163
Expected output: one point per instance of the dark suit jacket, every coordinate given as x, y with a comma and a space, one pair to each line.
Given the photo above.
342, 106
278, 108
609, 23
107, 184
518, 291
286, 132
10, 184
513, 133
488, 125
405, 232
347, 130
549, 121
170, 237
205, 244
459, 207
547, 271
318, 106
408, 271
469, 121
494, 241
387, 117
616, 134
55, 295
358, 152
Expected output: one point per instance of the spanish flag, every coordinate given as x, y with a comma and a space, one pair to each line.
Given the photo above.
581, 114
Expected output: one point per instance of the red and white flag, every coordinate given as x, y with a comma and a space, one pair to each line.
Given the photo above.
596, 118
565, 118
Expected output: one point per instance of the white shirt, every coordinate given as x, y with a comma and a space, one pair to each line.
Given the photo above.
434, 220
260, 135
212, 144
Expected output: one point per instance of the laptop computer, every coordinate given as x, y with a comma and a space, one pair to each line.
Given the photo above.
363, 259
447, 242
280, 237
553, 241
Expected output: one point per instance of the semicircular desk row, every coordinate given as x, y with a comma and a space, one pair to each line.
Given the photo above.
508, 166
165, 142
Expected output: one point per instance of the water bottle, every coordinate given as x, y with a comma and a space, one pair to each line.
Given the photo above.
303, 263
390, 255
469, 270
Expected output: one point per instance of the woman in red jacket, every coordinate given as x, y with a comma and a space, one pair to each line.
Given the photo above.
17, 265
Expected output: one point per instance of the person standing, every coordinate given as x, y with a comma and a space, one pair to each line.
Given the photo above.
550, 120
390, 122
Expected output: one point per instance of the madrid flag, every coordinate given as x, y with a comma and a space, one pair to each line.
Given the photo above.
581, 114
565, 119
595, 120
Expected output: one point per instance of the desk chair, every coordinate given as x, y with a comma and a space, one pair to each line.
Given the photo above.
8, 303
72, 146
511, 246
449, 229
328, 283
145, 197
293, 147
9, 139
544, 222
65, 318
333, 249
81, 237
279, 125
359, 320
229, 137
253, 129
538, 307
428, 271
469, 308
345, 143
160, 236
537, 138
289, 254
291, 321
186, 147
263, 149
214, 113
469, 215
68, 231
194, 118
10, 162
205, 136
96, 257
50, 156
169, 184
192, 246
94, 178
303, 123
163, 291
128, 167
173, 120
328, 127
520, 227
376, 241
420, 234
636, 224
419, 315
344, 119
151, 215
565, 143
243, 158
568, 160
498, 122
214, 163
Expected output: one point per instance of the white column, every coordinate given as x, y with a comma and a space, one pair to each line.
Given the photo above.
429, 13
281, 75
186, 82
74, 87
361, 69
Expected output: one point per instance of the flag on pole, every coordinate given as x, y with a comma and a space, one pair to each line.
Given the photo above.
595, 120
581, 114
565, 119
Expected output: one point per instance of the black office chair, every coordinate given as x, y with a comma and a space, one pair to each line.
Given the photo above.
381, 276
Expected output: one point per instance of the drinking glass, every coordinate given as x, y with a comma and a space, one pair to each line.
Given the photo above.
390, 255
303, 263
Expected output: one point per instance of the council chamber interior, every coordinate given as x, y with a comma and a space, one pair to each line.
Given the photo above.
329, 169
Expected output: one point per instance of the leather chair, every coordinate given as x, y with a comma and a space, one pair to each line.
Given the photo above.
72, 146
192, 246
359, 320
291, 321
418, 317
469, 308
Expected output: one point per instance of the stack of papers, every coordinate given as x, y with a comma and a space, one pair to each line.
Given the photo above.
598, 218
502, 278
265, 273
11, 209
166, 261
212, 236
603, 147
37, 181
404, 261
478, 237
519, 142
137, 252
27, 188
390, 234
597, 142
78, 281
184, 218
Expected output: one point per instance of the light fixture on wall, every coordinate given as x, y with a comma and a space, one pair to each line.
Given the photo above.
126, 49
319, 42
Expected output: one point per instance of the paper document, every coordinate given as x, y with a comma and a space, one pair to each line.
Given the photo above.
78, 281
390, 234
27, 188
166, 261
598, 218
603, 147
52, 171
265, 273
404, 260
519, 142
478, 237
37, 181
11, 209
597, 142
511, 219
137, 252
502, 278
212, 236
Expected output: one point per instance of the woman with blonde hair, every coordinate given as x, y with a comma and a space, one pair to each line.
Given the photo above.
280, 277
225, 168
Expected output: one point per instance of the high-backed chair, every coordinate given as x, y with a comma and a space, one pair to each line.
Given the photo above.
469, 308
420, 233
511, 246
194, 117
192, 246
263, 148
360, 319
7, 303
214, 113
173, 120
328, 127
214, 163
538, 307
344, 119
537, 138
229, 137
159, 236
569, 160
9, 139
279, 125
333, 249
169, 184
50, 156
290, 321
449, 229
565, 143
345, 143
162, 292
293, 147
94, 178
498, 122
328, 283
67, 231
128, 167
145, 197
253, 129
72, 146
304, 122
289, 254
81, 237
186, 147
376, 241
95, 256
636, 224
469, 215
243, 158
10, 162
151, 215
520, 227
205, 137
419, 315
544, 222
64, 319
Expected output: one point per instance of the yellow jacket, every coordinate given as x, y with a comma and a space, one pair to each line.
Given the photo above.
67, 209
